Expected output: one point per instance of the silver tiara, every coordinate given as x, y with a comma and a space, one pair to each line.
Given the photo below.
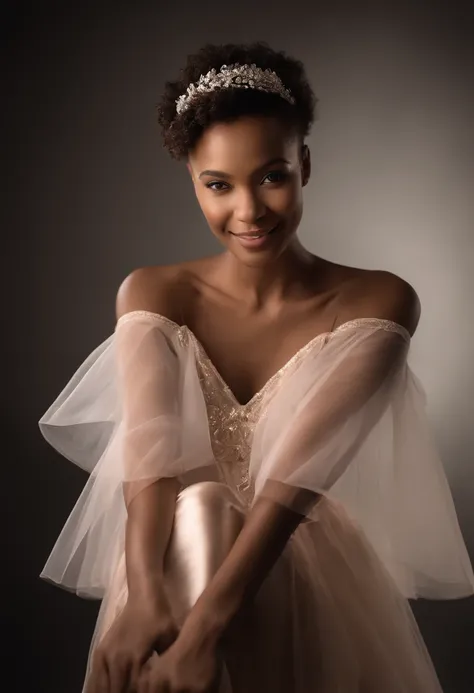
235, 76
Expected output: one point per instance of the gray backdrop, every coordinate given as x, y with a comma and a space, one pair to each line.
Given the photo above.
91, 194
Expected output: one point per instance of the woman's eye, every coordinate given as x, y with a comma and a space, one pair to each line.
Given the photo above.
280, 176
216, 182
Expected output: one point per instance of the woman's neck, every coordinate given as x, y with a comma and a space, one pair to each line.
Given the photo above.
267, 285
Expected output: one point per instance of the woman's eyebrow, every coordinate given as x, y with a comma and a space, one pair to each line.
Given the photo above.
222, 174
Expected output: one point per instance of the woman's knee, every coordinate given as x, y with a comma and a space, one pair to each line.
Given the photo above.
212, 494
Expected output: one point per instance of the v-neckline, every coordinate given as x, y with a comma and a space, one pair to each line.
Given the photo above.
306, 347
267, 384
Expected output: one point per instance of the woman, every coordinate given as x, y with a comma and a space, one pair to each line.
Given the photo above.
264, 492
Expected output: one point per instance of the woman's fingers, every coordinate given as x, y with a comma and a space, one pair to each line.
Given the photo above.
143, 681
166, 639
136, 671
110, 676
152, 679
119, 676
99, 677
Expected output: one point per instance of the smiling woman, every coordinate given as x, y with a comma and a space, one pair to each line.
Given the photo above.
252, 206
264, 492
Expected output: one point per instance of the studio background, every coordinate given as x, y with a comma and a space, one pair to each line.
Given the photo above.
90, 194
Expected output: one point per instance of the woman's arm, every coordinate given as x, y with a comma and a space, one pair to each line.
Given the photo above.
147, 377
148, 531
150, 509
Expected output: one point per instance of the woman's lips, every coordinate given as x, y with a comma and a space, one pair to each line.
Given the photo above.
253, 240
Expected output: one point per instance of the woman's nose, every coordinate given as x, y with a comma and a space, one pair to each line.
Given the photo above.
249, 207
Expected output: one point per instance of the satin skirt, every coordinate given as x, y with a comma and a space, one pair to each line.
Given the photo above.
327, 619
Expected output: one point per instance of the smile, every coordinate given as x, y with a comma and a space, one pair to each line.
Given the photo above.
252, 236
253, 241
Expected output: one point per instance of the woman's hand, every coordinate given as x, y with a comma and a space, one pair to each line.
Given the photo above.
141, 628
183, 668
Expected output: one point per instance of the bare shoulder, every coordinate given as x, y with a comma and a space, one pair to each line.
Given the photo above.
157, 289
384, 295
169, 290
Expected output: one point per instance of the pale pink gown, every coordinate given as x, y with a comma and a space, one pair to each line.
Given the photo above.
345, 418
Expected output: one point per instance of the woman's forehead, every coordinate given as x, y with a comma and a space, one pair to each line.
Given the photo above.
247, 143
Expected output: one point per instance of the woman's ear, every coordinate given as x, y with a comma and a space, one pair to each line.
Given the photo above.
189, 167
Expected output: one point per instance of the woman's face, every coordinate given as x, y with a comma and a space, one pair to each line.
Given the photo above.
248, 176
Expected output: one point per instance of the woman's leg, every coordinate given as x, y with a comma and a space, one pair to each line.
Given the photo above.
208, 519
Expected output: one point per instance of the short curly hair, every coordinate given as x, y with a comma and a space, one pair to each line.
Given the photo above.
182, 132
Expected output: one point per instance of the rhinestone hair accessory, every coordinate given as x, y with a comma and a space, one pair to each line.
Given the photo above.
234, 76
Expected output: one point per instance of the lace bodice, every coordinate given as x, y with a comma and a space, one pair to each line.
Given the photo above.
231, 424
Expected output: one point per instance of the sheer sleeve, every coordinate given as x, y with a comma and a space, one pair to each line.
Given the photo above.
350, 424
164, 419
327, 414
133, 413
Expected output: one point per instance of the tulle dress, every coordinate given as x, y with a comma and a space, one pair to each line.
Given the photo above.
344, 418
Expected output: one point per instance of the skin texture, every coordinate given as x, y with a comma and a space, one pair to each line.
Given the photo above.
252, 309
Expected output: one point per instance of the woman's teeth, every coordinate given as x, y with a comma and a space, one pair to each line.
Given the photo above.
254, 235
